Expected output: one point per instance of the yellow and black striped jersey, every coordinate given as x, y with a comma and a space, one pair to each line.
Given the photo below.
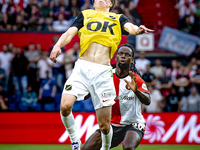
105, 28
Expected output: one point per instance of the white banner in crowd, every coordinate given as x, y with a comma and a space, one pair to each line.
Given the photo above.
178, 41
145, 42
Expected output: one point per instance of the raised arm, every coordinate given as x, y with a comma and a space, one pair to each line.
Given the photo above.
63, 40
143, 97
135, 30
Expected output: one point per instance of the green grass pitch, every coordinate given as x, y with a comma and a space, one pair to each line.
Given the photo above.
68, 147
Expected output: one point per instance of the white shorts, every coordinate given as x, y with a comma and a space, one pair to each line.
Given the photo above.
93, 78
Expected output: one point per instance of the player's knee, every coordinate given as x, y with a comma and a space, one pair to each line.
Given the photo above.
65, 109
128, 147
65, 112
104, 127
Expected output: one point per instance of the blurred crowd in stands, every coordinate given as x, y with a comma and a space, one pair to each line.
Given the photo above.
52, 15
29, 81
57, 15
189, 16
174, 88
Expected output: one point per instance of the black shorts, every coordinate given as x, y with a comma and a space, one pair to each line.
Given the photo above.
120, 132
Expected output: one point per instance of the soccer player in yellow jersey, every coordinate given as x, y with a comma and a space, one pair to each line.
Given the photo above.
100, 33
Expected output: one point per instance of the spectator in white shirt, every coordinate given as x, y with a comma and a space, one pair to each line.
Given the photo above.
156, 101
43, 65
5, 59
157, 70
61, 24
141, 63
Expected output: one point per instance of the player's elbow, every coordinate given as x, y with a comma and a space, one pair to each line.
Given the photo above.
148, 101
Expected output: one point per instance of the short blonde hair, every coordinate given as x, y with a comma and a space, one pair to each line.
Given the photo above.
113, 4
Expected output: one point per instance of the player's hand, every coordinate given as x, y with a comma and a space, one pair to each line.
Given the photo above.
142, 29
55, 53
133, 83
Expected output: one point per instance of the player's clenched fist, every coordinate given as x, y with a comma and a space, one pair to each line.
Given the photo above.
55, 53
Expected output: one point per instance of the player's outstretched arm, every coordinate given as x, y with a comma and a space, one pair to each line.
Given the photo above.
143, 97
63, 40
93, 142
135, 30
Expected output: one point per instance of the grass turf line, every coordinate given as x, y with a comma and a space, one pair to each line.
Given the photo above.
68, 147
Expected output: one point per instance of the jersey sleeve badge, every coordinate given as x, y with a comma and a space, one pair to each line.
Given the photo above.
144, 86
